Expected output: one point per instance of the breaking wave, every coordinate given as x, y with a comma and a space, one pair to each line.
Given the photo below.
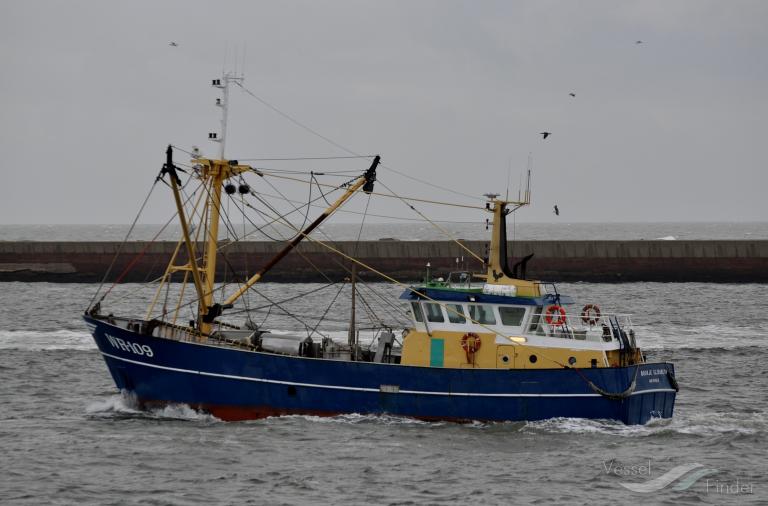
354, 419
701, 424
124, 405
35, 340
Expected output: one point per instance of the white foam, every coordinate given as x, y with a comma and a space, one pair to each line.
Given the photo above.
126, 404
182, 412
356, 418
704, 424
710, 423
46, 340
667, 238
123, 403
585, 426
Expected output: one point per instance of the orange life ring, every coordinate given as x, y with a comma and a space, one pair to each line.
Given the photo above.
550, 315
470, 342
591, 314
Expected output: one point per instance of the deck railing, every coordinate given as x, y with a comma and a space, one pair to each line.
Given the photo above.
575, 326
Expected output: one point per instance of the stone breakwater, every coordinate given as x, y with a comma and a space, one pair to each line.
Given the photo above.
596, 261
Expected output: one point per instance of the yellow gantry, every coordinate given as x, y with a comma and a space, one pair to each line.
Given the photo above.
213, 174
215, 171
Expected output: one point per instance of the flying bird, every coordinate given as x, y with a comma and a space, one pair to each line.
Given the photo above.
638, 42
557, 211
572, 94
173, 44
544, 135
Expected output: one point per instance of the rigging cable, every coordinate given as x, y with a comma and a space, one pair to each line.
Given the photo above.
343, 148
304, 294
141, 253
287, 313
319, 230
301, 254
414, 199
275, 304
325, 313
162, 229
299, 158
120, 248
441, 229
370, 312
362, 224
395, 312
319, 188
299, 231
339, 263
400, 218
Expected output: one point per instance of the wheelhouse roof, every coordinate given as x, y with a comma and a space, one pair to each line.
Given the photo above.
457, 295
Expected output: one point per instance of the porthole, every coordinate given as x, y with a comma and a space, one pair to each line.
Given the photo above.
533, 359
291, 390
505, 359
572, 360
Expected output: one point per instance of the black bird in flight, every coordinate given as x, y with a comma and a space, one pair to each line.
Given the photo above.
544, 135
557, 211
172, 43
572, 94
638, 42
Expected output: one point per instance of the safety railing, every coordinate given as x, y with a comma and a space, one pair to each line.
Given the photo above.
556, 322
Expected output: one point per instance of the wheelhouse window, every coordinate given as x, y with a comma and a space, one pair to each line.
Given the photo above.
455, 313
511, 316
482, 314
417, 315
434, 312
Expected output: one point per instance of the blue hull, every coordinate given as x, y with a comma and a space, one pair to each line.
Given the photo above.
237, 384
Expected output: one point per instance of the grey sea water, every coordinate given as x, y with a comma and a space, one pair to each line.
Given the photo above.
421, 231
67, 436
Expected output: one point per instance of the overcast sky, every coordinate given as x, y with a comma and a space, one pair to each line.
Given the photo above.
673, 129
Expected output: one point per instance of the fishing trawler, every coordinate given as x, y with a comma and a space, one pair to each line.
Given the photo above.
489, 345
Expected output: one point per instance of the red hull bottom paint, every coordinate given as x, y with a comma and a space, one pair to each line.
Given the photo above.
241, 414
235, 413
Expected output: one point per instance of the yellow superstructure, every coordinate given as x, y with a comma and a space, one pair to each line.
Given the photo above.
419, 349
508, 323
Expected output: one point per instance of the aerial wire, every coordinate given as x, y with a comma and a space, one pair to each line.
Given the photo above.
341, 147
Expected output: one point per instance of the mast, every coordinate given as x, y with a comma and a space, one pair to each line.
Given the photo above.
213, 175
223, 103
170, 169
498, 272
212, 241
351, 337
